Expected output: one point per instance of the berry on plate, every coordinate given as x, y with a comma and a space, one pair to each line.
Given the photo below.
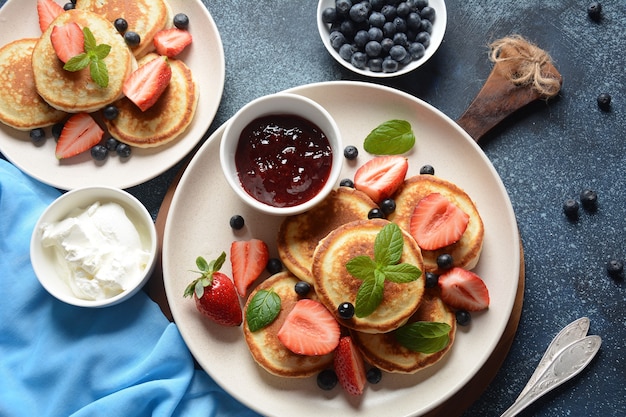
146, 84
463, 290
349, 366
80, 133
214, 293
248, 259
309, 329
171, 42
47, 11
67, 40
381, 176
437, 222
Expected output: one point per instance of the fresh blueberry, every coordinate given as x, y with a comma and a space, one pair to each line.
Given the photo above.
361, 38
69, 6
375, 64
389, 11
377, 20
348, 28
346, 310
423, 38
390, 65
428, 13
37, 135
373, 49
110, 112
427, 26
604, 101
463, 317
414, 22
132, 38
337, 39
594, 10
375, 34
387, 44
374, 375
389, 29
431, 279
237, 222
358, 12
329, 15
400, 24
123, 150
445, 261
346, 51
302, 288
327, 379
375, 213
377, 4
398, 53
350, 152
120, 24
615, 268
274, 266
427, 170
388, 206
403, 9
570, 208
57, 128
417, 50
401, 39
346, 182
359, 60
343, 7
181, 20
589, 199
99, 152
111, 144
418, 4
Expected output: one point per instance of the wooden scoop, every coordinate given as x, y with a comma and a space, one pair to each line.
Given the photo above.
522, 73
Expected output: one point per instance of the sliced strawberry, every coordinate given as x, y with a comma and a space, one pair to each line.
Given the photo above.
349, 366
380, 177
463, 290
437, 222
146, 84
171, 42
80, 133
67, 40
47, 10
309, 329
248, 259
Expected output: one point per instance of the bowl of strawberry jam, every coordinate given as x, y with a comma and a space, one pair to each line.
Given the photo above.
281, 154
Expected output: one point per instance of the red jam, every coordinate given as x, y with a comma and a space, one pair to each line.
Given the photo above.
283, 160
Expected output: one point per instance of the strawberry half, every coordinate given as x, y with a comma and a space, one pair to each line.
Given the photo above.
309, 329
248, 259
67, 40
437, 222
171, 42
463, 290
146, 84
80, 133
47, 11
381, 176
349, 366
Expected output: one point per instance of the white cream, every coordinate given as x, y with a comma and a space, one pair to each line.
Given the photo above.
98, 250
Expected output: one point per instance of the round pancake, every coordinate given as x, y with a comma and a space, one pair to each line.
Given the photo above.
21, 107
264, 345
335, 285
384, 352
299, 235
166, 119
466, 251
145, 17
75, 92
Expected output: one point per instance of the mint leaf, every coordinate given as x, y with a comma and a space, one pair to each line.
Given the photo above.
393, 137
388, 245
262, 310
77, 62
206, 270
90, 40
370, 295
401, 273
101, 51
361, 267
424, 336
99, 73
93, 57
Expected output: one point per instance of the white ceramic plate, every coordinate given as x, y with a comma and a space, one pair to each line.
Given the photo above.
439, 28
206, 59
198, 224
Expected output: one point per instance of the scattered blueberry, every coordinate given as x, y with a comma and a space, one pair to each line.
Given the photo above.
274, 266
110, 112
237, 222
570, 208
69, 6
111, 144
594, 10
431, 280
350, 152
374, 375
181, 20
615, 268
604, 101
388, 206
132, 38
589, 199
427, 170
99, 152
302, 288
57, 128
463, 317
345, 310
121, 24
445, 261
327, 379
375, 213
346, 182
123, 150
37, 135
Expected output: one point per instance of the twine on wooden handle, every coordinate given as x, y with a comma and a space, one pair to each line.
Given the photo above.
522, 63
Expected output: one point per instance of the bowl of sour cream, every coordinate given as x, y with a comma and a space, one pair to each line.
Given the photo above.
94, 246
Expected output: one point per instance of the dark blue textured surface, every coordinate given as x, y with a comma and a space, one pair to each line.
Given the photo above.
544, 154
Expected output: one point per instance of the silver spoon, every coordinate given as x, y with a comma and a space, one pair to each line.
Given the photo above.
568, 354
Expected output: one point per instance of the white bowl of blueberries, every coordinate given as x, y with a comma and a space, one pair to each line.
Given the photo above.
381, 38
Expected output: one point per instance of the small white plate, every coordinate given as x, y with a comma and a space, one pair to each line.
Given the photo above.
198, 224
436, 37
205, 57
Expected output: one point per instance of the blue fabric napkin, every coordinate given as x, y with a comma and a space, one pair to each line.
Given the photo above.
59, 360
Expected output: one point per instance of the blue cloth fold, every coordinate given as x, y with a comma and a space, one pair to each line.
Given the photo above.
61, 360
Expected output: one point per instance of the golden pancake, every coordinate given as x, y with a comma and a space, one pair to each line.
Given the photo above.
384, 352
21, 106
75, 92
166, 119
145, 17
335, 285
299, 235
465, 252
264, 345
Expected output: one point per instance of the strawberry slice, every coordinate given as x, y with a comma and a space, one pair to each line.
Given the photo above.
349, 366
171, 42
67, 40
309, 329
248, 259
463, 290
80, 133
437, 222
146, 84
380, 177
47, 10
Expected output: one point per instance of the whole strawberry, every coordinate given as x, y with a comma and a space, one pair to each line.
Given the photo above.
215, 294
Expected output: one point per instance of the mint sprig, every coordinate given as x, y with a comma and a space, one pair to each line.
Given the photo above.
393, 137
93, 57
388, 247
262, 309
206, 270
424, 336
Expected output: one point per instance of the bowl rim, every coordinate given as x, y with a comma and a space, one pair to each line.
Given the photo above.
55, 212
435, 42
258, 108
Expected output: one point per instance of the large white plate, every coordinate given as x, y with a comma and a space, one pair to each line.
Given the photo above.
198, 224
206, 59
